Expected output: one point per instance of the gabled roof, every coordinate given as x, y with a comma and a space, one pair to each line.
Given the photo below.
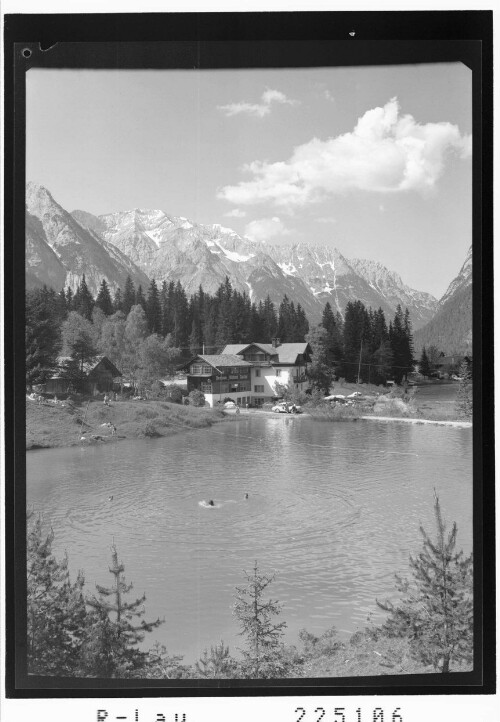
89, 366
218, 360
287, 352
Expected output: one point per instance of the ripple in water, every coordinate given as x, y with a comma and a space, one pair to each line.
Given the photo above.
333, 508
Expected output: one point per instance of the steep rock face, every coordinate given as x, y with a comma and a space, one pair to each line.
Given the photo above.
79, 250
42, 265
152, 244
422, 306
462, 280
451, 328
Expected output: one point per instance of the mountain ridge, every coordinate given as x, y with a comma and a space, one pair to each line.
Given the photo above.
150, 243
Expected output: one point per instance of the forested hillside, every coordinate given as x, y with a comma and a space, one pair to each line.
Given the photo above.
451, 328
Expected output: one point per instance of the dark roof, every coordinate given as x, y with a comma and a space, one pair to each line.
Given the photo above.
90, 366
287, 352
217, 360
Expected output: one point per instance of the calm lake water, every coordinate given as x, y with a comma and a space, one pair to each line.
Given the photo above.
333, 508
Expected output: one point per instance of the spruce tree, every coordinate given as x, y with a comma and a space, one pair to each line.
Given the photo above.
153, 308
42, 335
263, 656
140, 299
83, 301
424, 365
103, 300
435, 611
118, 300
128, 296
56, 615
115, 636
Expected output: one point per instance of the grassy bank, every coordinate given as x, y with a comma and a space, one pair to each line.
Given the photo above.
49, 425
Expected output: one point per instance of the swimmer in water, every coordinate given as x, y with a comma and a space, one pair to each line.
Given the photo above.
110, 498
211, 503
246, 496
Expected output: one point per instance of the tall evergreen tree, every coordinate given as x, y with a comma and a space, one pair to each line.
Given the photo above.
83, 301
69, 299
140, 299
436, 607
263, 656
56, 615
103, 300
118, 300
79, 346
153, 309
424, 366
320, 372
128, 296
356, 336
117, 637
42, 334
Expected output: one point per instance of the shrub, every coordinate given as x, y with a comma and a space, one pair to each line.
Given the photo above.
196, 398
174, 393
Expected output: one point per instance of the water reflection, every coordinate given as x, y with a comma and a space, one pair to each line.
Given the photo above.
334, 508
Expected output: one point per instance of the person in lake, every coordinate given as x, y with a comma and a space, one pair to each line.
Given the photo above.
246, 496
211, 503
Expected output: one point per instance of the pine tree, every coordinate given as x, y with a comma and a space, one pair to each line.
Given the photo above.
424, 365
153, 308
103, 300
83, 301
128, 296
321, 372
79, 345
263, 657
118, 300
116, 637
217, 665
42, 334
436, 607
56, 615
139, 299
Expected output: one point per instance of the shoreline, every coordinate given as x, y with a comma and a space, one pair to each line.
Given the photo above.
456, 424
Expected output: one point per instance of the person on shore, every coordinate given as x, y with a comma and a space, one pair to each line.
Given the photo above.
106, 400
237, 409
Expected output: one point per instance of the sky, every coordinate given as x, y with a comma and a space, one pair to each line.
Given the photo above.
375, 161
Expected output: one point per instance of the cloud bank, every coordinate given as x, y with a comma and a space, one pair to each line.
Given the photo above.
258, 110
386, 152
265, 228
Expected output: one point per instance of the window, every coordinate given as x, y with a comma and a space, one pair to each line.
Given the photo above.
207, 369
196, 369
257, 372
258, 389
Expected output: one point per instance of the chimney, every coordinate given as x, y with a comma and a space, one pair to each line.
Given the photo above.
275, 342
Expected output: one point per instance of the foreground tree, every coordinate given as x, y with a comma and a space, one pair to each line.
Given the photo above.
436, 608
424, 365
264, 655
112, 647
56, 615
42, 334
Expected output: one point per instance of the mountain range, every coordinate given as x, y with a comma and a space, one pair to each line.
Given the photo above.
451, 328
147, 244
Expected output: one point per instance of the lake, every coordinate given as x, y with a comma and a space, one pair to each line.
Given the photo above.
334, 509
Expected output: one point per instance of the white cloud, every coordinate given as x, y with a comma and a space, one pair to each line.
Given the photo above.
265, 228
235, 213
258, 110
326, 219
386, 152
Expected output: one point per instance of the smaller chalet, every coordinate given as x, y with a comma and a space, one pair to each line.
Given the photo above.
220, 376
99, 377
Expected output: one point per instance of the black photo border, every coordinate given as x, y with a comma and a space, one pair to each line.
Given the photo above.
242, 40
